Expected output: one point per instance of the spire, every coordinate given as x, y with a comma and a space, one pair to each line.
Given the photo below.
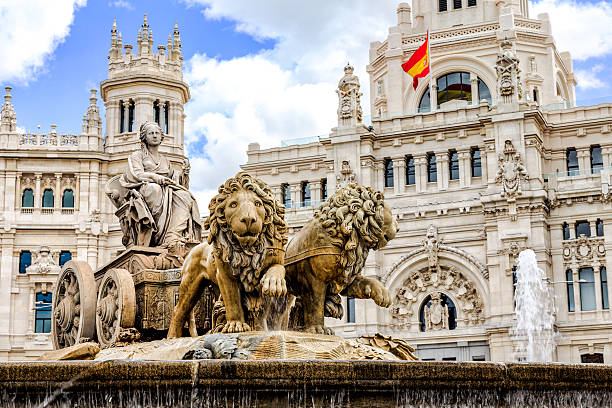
114, 34
92, 124
139, 40
8, 117
176, 44
151, 37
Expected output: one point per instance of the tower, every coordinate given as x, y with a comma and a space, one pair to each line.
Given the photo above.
144, 85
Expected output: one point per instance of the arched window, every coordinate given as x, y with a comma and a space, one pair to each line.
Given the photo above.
47, 199
455, 85
27, 198
68, 199
444, 301
25, 260
65, 256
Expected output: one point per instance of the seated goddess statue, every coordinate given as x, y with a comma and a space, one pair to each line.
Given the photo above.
156, 208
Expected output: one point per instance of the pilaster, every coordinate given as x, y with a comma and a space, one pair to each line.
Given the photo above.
442, 161
420, 172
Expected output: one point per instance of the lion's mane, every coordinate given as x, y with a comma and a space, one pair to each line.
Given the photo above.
246, 263
354, 218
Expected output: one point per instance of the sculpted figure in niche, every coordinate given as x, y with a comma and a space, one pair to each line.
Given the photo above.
162, 198
436, 315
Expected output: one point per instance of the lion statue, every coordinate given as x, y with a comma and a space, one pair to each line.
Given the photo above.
326, 257
244, 255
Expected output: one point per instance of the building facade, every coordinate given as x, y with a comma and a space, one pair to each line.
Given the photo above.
486, 157
53, 206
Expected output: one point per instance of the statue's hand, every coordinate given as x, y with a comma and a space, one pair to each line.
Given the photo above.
273, 282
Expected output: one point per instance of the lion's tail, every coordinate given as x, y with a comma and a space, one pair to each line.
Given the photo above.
333, 305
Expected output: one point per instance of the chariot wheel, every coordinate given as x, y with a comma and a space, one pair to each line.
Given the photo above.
73, 314
116, 308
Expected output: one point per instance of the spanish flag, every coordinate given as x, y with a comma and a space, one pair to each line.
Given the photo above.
418, 64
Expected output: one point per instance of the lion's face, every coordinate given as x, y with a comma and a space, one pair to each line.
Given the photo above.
389, 229
245, 213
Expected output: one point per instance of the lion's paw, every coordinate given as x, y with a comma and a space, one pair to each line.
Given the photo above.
234, 326
273, 282
378, 293
319, 330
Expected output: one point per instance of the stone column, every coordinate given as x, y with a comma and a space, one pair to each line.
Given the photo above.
126, 116
597, 279
399, 174
58, 191
576, 285
433, 95
420, 172
17, 197
464, 172
143, 111
483, 163
37, 196
296, 190
32, 303
605, 157
315, 192
443, 170
584, 162
474, 88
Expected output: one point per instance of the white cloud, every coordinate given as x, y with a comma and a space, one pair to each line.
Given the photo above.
587, 78
26, 47
121, 4
583, 29
283, 93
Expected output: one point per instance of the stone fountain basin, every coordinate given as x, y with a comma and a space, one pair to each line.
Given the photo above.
274, 383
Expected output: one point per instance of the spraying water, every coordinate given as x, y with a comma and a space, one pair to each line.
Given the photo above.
534, 308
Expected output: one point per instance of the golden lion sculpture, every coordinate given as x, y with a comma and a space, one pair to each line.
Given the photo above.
243, 256
326, 257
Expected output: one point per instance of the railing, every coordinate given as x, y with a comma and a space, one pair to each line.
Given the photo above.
304, 204
300, 140
51, 139
27, 210
595, 171
47, 211
557, 106
67, 210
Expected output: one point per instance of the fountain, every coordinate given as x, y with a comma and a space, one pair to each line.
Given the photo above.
535, 311
264, 284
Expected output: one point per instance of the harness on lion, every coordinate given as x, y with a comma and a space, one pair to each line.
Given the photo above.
312, 252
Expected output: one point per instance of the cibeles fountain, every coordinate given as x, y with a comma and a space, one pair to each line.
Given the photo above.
239, 320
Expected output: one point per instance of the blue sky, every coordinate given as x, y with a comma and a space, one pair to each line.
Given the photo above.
260, 70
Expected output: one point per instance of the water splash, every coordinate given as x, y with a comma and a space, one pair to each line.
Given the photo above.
534, 309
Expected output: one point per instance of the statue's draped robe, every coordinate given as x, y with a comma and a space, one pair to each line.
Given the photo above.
172, 211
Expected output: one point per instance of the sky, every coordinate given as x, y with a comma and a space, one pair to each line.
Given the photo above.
262, 70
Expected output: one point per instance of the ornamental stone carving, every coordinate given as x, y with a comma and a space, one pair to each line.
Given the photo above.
508, 73
511, 172
346, 176
349, 99
46, 261
431, 243
584, 251
436, 314
415, 288
8, 117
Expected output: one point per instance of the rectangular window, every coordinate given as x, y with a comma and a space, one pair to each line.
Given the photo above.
432, 171
286, 192
388, 173
603, 274
453, 165
569, 277
350, 310
25, 260
323, 189
571, 159
471, 3
449, 358
456, 4
596, 160
442, 5
595, 358
566, 231
583, 228
410, 178
121, 117
305, 194
478, 358
476, 163
587, 289
43, 313
535, 95
599, 228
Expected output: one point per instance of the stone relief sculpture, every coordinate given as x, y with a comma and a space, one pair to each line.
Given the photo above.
436, 314
346, 176
431, 243
508, 72
326, 257
45, 261
511, 171
244, 255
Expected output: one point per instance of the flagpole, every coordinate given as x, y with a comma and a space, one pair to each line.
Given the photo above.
432, 108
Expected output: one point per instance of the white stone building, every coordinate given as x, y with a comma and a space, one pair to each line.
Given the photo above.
52, 200
487, 156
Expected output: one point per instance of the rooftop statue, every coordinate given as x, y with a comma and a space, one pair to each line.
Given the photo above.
243, 256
